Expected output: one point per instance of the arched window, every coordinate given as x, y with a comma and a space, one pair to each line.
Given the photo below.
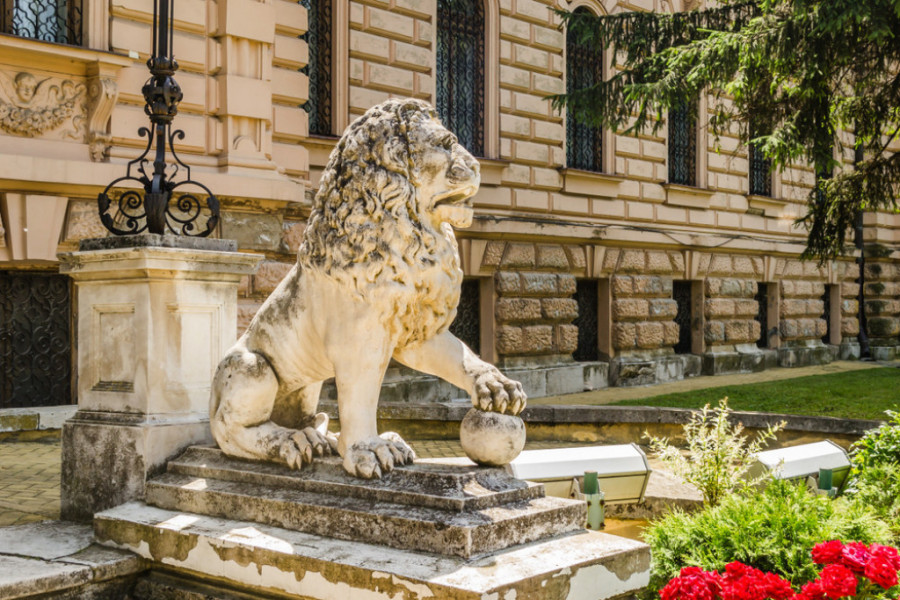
460, 78
318, 38
683, 144
584, 68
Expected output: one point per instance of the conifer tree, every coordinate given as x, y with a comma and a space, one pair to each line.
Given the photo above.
800, 71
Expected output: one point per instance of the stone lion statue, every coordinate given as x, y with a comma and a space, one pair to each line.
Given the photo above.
377, 277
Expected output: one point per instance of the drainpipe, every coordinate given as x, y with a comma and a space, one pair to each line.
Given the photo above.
864, 352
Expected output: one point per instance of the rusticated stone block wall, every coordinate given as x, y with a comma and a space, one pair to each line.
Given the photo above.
882, 303
729, 305
278, 237
850, 303
802, 287
535, 308
643, 310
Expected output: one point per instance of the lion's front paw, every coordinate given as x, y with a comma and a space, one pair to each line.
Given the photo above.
372, 457
496, 392
300, 447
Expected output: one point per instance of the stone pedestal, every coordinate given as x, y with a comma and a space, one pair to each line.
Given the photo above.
439, 530
652, 367
738, 358
804, 353
154, 316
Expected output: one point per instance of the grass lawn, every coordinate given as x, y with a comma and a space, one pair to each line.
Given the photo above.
853, 395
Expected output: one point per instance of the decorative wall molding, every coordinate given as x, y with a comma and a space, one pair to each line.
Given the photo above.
31, 107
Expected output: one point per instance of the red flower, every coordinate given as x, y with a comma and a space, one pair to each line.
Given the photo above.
855, 555
777, 588
826, 553
743, 582
812, 591
692, 584
886, 553
882, 572
838, 581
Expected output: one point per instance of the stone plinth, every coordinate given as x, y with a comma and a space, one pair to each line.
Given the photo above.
444, 509
267, 561
154, 316
428, 530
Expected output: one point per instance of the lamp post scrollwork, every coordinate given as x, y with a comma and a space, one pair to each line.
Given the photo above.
168, 200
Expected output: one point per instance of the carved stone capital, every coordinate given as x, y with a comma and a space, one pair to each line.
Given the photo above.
102, 94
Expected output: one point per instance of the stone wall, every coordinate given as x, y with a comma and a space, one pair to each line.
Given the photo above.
642, 306
534, 308
882, 306
802, 287
730, 307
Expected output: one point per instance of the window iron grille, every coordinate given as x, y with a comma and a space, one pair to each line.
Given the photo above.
762, 314
467, 325
681, 292
35, 340
584, 68
760, 173
683, 144
460, 70
318, 38
58, 21
588, 343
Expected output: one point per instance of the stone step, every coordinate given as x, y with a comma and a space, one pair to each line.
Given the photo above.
265, 561
432, 484
459, 533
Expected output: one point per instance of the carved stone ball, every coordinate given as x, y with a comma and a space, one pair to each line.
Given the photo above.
491, 439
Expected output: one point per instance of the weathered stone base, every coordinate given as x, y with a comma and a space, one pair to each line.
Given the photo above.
885, 352
406, 385
849, 350
106, 462
634, 370
59, 560
266, 560
744, 358
804, 354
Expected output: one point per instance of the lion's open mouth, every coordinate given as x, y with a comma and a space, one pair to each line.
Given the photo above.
456, 196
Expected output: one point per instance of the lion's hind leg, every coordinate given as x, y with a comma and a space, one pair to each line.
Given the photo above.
244, 391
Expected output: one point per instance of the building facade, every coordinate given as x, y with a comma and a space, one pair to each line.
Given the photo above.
658, 256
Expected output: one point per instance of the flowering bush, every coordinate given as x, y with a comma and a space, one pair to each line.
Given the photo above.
852, 570
772, 529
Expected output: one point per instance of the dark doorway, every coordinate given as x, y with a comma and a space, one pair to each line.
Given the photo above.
826, 314
35, 340
467, 325
588, 343
762, 314
681, 292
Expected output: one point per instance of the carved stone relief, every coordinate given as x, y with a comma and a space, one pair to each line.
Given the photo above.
32, 107
102, 94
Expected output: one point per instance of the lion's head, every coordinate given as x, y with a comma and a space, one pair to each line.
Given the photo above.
393, 188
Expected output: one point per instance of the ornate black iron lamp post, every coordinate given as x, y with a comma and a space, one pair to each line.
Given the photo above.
163, 206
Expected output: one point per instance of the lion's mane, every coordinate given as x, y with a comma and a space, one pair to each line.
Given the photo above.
366, 228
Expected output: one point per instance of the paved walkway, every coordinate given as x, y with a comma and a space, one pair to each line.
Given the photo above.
30, 462
29, 478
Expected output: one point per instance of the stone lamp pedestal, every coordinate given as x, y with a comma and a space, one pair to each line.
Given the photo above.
154, 316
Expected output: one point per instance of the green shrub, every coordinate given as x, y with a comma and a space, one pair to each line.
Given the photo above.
879, 446
718, 456
772, 529
878, 487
